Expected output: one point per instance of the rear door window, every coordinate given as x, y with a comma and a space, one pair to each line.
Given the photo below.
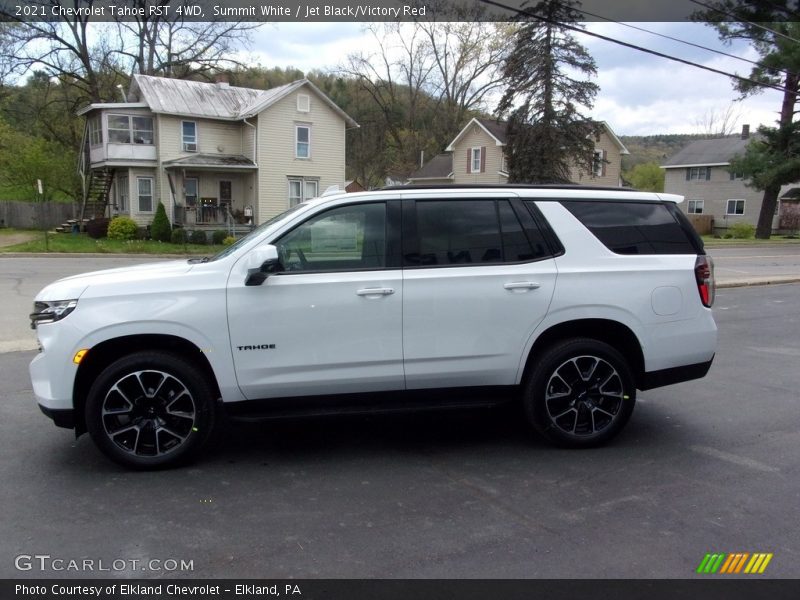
626, 227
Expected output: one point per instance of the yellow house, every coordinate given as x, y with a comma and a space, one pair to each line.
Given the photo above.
477, 155
216, 155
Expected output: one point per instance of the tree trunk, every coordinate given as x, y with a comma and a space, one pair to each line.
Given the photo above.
768, 204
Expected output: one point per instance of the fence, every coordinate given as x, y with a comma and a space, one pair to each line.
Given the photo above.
703, 224
37, 215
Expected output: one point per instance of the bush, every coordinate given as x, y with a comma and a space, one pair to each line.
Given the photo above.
122, 228
97, 228
178, 236
161, 230
742, 231
198, 237
219, 236
228, 240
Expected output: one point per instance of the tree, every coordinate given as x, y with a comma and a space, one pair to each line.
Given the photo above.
718, 122
160, 229
772, 162
646, 176
547, 136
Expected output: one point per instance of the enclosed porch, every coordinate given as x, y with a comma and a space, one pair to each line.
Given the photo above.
213, 192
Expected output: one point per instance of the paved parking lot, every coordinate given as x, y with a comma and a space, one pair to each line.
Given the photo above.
707, 466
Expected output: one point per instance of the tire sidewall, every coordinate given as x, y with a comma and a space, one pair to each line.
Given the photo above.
551, 359
194, 380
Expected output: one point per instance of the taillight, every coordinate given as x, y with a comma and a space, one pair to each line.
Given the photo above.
704, 273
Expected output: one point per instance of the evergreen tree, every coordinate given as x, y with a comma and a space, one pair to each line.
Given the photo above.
775, 160
160, 229
547, 135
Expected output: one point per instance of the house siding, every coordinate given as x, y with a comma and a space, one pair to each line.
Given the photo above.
477, 137
715, 193
276, 151
613, 168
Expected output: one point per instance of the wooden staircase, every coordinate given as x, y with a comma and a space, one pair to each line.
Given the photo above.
95, 199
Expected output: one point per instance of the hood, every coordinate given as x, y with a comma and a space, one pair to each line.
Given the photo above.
70, 288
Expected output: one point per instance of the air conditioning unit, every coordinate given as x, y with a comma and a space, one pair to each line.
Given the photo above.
190, 147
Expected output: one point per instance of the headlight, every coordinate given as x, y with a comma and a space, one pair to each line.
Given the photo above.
49, 312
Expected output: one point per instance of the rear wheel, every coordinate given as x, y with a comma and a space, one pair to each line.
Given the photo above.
150, 410
581, 393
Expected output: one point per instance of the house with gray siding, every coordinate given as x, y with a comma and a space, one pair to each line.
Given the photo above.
216, 155
699, 172
478, 155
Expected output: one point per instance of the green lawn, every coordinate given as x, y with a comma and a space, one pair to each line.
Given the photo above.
709, 240
66, 242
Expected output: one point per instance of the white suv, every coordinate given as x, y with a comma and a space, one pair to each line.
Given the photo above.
566, 298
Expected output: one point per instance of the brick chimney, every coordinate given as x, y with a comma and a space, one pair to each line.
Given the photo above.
745, 132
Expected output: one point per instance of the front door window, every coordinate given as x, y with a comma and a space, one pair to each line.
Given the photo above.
190, 188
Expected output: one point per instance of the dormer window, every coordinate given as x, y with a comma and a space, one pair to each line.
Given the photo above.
303, 103
189, 136
128, 129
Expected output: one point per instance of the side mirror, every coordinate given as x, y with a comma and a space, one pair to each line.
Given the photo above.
262, 262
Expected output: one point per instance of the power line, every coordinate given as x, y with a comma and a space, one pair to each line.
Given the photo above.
635, 47
688, 43
739, 19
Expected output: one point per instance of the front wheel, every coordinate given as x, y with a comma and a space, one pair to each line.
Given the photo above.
581, 393
150, 410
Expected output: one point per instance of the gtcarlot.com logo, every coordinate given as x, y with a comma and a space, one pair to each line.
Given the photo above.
735, 563
46, 562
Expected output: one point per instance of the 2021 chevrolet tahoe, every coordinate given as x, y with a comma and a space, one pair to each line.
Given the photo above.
568, 298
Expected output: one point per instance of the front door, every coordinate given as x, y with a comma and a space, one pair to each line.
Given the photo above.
330, 321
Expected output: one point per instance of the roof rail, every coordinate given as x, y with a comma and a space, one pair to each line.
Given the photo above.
525, 186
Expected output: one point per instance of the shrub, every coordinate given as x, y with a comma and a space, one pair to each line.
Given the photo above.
122, 228
742, 231
97, 228
161, 230
198, 237
228, 240
219, 236
178, 236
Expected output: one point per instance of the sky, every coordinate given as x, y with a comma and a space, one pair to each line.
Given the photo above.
639, 94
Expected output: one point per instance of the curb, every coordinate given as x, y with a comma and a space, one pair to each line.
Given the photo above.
757, 281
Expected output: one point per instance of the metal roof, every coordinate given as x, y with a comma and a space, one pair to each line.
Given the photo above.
234, 161
716, 151
216, 100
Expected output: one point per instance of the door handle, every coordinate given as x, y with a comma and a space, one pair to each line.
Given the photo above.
522, 285
384, 291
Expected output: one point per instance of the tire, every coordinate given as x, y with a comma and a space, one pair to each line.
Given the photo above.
151, 410
580, 393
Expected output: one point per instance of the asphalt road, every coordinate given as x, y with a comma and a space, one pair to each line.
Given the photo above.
707, 466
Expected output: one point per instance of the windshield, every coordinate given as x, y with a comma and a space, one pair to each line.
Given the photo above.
258, 230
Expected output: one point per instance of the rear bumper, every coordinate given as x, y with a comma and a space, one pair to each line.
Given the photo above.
655, 379
61, 417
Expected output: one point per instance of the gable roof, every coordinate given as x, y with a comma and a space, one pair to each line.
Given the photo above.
497, 131
216, 101
713, 152
439, 167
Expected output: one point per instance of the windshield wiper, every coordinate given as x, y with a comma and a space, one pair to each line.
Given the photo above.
194, 261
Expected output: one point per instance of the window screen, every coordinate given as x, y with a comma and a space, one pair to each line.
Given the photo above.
632, 227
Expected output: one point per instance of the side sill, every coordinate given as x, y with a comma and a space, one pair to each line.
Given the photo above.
61, 417
655, 379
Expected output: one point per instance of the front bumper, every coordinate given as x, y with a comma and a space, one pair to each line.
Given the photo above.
61, 417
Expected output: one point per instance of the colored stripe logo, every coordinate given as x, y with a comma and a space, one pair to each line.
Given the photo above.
735, 563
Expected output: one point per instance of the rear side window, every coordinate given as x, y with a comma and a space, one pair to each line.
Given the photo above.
633, 227
464, 232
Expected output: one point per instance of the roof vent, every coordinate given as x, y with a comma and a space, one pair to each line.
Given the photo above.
745, 132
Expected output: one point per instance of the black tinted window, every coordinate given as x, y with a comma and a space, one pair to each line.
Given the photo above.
452, 232
519, 245
632, 227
